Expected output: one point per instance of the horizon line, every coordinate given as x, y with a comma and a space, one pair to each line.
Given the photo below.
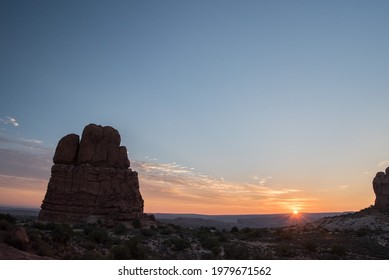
200, 214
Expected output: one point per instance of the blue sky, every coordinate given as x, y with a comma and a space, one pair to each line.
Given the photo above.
286, 97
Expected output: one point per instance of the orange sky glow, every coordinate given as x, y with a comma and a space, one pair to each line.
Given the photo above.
170, 188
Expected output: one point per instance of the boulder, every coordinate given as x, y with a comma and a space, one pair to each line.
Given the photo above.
21, 235
67, 149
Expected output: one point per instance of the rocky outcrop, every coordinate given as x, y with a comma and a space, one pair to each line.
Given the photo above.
381, 190
368, 218
91, 180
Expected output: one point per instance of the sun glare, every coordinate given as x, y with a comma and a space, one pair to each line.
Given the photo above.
295, 212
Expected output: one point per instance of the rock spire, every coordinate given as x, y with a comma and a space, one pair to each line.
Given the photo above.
381, 190
91, 180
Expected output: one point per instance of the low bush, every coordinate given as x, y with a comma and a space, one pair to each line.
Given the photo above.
179, 244
236, 251
120, 229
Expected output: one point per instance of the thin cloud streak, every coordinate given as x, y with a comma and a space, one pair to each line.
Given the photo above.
262, 181
383, 163
25, 163
32, 141
32, 144
25, 179
9, 121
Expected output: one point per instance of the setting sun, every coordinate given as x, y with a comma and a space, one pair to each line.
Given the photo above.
295, 212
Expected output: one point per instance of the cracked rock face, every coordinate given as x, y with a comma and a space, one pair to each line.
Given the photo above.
91, 180
381, 190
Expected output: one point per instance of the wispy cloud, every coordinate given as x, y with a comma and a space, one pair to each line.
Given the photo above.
172, 185
383, 163
9, 121
9, 178
33, 144
381, 166
261, 180
31, 141
24, 167
25, 163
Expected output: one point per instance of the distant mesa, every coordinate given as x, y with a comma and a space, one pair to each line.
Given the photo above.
381, 190
91, 180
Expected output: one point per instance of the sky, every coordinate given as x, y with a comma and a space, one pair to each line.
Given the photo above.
225, 107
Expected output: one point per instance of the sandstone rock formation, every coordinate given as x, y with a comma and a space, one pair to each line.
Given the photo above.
91, 180
381, 190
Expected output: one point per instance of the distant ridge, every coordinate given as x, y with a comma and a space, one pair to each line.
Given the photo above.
202, 220
242, 221
19, 211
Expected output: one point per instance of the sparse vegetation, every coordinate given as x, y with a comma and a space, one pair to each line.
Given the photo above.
236, 251
136, 223
167, 241
7, 217
129, 250
62, 233
120, 229
179, 244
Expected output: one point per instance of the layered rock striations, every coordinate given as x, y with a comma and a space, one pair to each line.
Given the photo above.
381, 190
91, 180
